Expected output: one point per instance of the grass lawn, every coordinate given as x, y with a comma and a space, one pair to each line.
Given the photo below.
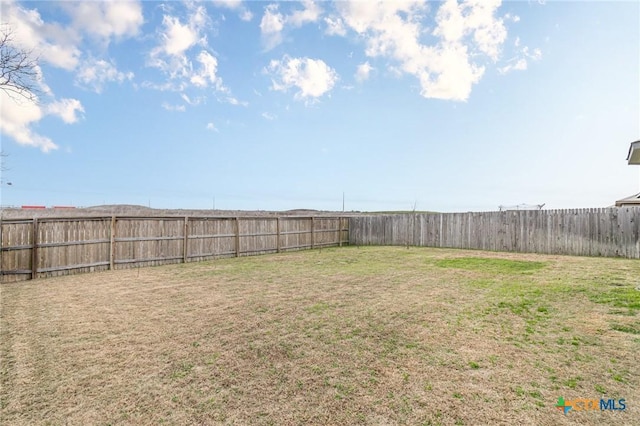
371, 335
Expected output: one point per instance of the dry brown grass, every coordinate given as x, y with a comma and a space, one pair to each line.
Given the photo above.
339, 336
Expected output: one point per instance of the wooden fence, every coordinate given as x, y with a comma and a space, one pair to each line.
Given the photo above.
610, 232
48, 247
32, 248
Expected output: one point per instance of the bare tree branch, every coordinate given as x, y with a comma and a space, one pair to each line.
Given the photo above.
19, 71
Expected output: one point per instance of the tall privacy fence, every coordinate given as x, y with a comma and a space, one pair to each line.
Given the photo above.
31, 248
610, 232
48, 247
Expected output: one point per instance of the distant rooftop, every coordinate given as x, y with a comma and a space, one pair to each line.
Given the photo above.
633, 200
634, 153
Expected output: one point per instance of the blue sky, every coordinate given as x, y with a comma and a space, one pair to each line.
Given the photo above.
448, 106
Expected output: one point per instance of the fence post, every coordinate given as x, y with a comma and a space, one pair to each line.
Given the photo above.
185, 242
339, 232
278, 234
112, 238
1, 245
34, 250
312, 236
237, 237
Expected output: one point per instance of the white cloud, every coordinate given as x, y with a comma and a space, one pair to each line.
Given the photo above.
19, 117
16, 121
51, 42
310, 13
363, 71
191, 101
177, 36
207, 73
65, 57
244, 13
229, 4
335, 26
234, 101
271, 26
169, 107
212, 127
517, 65
176, 57
61, 44
465, 32
66, 109
521, 61
106, 19
312, 77
268, 116
166, 86
273, 22
536, 55
95, 73
512, 18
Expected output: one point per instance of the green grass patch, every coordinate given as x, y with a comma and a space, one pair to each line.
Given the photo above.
619, 297
491, 265
626, 328
317, 308
573, 382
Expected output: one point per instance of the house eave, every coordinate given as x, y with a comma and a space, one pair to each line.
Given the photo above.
633, 200
634, 153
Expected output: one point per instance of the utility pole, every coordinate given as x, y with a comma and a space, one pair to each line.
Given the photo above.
342, 201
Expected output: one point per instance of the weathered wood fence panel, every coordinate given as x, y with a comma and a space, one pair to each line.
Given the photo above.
16, 247
210, 238
610, 232
77, 244
60, 246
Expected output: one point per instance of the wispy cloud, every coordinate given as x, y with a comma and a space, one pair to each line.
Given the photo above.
363, 71
274, 23
185, 57
520, 62
96, 73
235, 5
169, 107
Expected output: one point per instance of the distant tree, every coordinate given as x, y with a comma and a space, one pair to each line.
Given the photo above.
19, 71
